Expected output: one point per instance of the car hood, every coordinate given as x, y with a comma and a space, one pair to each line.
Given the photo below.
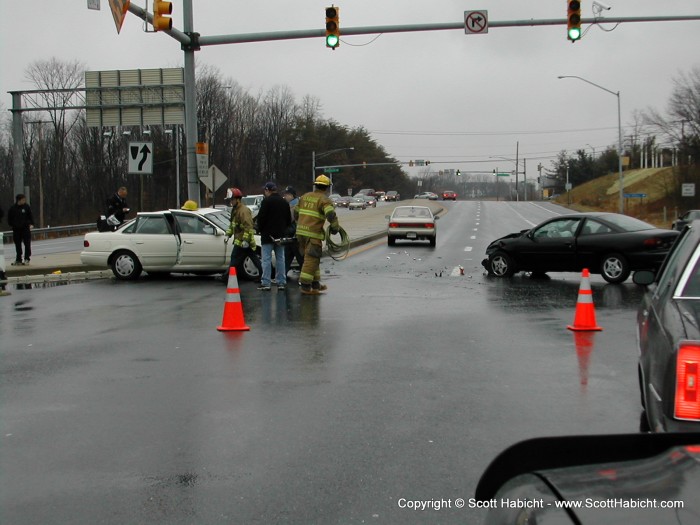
510, 236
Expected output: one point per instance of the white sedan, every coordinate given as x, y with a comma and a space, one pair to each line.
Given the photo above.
162, 242
412, 223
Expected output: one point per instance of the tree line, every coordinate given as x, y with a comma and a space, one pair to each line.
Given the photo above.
71, 168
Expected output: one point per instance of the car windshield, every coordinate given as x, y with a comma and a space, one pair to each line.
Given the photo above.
411, 212
221, 218
628, 224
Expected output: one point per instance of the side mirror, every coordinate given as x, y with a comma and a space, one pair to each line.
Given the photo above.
643, 277
436, 217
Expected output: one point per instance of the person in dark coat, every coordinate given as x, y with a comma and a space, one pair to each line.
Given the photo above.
20, 218
273, 222
117, 207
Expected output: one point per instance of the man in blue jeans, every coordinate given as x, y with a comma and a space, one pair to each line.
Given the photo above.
273, 221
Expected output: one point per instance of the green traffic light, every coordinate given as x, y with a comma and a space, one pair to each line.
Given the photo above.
574, 33
332, 40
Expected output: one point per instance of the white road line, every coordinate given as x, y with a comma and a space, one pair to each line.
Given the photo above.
467, 248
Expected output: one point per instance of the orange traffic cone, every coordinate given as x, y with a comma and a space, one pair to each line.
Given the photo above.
585, 312
233, 310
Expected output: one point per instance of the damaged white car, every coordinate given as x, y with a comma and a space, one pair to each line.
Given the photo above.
169, 241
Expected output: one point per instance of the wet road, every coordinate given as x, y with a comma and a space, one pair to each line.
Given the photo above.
122, 403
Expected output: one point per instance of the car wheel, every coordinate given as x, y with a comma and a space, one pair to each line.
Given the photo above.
501, 265
433, 241
126, 266
615, 268
248, 270
391, 240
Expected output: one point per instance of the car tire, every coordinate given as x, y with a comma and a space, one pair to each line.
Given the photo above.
391, 240
433, 241
248, 270
125, 266
614, 268
501, 265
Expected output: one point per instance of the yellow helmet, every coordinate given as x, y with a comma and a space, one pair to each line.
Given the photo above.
322, 180
189, 205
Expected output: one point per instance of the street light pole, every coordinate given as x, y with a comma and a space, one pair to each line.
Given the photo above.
619, 135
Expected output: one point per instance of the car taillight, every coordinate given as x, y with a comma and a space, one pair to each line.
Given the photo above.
429, 225
393, 225
86, 244
653, 242
687, 403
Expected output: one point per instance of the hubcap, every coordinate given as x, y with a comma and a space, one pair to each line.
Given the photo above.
612, 268
499, 266
124, 265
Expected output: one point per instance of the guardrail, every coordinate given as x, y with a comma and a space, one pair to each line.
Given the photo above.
54, 232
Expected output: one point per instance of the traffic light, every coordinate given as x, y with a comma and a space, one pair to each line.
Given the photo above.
332, 27
573, 20
161, 15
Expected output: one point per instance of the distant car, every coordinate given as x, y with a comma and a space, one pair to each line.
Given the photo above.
392, 196
449, 194
412, 223
380, 195
427, 195
367, 191
686, 218
668, 334
591, 480
343, 202
357, 203
610, 244
371, 201
253, 202
168, 241
334, 197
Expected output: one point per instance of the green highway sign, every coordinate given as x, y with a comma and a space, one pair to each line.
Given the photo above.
502, 174
332, 170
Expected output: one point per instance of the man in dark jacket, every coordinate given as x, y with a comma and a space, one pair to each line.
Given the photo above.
117, 208
273, 221
19, 216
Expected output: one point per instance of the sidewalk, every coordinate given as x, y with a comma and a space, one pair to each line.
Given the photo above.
362, 226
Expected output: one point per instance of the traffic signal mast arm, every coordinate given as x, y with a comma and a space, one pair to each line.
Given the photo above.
372, 30
243, 38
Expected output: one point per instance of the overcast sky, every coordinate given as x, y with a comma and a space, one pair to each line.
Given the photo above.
451, 98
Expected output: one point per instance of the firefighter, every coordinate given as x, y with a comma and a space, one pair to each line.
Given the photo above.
313, 210
243, 232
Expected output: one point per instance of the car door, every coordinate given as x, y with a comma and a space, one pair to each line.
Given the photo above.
201, 247
154, 242
593, 240
550, 247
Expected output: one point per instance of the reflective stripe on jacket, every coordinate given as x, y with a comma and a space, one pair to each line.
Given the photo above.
313, 210
241, 226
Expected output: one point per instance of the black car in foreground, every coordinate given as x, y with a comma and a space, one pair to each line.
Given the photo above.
609, 244
645, 479
668, 324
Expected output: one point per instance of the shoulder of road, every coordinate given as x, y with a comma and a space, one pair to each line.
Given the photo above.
362, 226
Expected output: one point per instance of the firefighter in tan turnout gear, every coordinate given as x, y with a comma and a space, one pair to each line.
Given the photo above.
313, 210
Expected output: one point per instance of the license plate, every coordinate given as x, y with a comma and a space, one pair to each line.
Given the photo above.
411, 235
